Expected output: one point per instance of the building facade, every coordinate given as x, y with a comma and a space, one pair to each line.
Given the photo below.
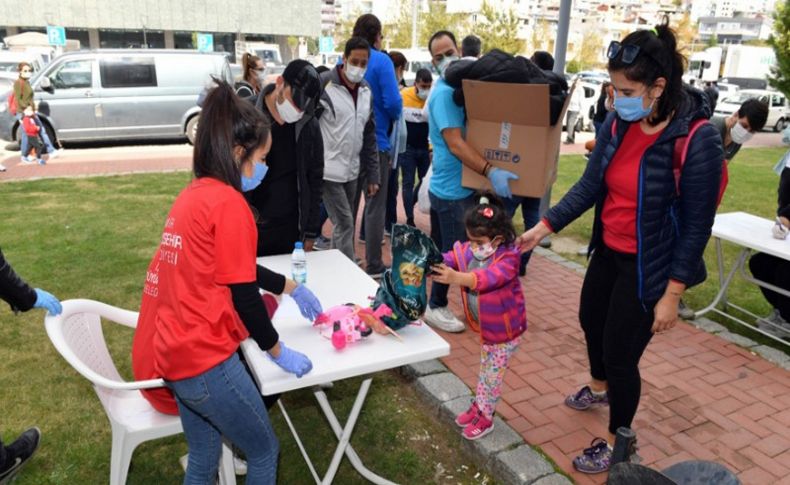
168, 24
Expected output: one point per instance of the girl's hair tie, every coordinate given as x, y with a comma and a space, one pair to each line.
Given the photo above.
484, 200
487, 212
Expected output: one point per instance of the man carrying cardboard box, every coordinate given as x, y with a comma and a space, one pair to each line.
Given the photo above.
448, 197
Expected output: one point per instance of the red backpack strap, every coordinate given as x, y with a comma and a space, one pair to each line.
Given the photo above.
681, 150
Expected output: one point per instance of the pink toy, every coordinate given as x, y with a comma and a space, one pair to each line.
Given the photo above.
351, 323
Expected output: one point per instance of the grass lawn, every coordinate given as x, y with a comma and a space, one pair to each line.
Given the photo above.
752, 188
93, 238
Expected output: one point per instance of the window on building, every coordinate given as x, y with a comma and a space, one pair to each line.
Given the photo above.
127, 72
73, 75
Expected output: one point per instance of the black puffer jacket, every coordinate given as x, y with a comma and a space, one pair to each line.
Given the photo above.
672, 231
309, 166
13, 289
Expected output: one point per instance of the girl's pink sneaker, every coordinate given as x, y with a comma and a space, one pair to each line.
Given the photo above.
479, 427
467, 416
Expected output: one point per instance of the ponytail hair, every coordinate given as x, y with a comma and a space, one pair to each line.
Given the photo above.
227, 122
490, 219
248, 63
658, 57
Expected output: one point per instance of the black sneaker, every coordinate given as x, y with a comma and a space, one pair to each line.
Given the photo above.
18, 453
377, 274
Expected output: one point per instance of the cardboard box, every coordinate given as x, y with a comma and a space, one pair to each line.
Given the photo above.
508, 124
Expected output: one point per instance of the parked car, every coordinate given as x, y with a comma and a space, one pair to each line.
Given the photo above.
591, 92
120, 94
9, 61
778, 107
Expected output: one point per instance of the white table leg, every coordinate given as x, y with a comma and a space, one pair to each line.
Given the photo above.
724, 285
227, 472
344, 434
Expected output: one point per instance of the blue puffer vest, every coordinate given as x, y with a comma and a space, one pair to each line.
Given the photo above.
672, 230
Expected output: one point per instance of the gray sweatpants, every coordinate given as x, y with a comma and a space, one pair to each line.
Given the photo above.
375, 210
339, 203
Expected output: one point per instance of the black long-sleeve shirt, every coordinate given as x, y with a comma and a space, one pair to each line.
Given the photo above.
249, 305
13, 288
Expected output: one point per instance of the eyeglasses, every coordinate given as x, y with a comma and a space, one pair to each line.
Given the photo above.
630, 51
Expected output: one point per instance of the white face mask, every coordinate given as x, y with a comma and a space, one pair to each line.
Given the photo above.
288, 112
442, 67
355, 74
739, 134
423, 93
25, 75
483, 251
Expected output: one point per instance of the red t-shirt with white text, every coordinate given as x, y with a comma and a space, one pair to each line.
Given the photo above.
187, 322
622, 181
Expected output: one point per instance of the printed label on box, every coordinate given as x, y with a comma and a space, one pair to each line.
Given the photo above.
494, 155
504, 136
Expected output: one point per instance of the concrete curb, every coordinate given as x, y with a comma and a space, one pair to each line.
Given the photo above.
503, 451
770, 354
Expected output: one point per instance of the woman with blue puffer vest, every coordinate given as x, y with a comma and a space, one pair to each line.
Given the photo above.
649, 232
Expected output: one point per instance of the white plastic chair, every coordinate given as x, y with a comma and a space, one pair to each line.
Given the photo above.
77, 335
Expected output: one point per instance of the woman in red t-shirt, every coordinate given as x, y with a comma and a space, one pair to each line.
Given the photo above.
200, 293
649, 234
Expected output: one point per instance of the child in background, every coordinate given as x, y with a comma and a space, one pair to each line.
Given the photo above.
35, 145
486, 268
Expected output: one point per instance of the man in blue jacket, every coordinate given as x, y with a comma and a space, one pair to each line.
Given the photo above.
387, 106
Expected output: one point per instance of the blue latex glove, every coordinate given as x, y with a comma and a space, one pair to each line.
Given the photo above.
292, 361
47, 301
307, 302
499, 179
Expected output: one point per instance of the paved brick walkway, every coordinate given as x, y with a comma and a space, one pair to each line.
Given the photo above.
702, 396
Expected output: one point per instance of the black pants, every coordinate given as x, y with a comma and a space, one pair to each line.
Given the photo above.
775, 271
277, 237
617, 329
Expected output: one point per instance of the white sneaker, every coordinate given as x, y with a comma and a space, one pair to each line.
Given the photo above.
55, 154
2, 168
239, 465
27, 161
443, 319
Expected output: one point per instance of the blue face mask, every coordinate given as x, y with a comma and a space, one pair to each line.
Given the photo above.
258, 173
630, 109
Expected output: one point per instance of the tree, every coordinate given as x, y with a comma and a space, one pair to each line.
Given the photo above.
588, 55
780, 41
438, 19
344, 30
293, 44
312, 46
541, 39
499, 30
686, 32
713, 41
398, 34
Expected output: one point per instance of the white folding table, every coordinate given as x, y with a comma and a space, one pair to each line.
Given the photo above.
336, 280
752, 233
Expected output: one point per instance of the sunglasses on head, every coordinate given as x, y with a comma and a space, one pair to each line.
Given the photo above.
630, 51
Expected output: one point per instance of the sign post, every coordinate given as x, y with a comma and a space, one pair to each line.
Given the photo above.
205, 42
326, 44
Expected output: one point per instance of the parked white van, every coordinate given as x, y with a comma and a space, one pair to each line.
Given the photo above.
120, 94
778, 106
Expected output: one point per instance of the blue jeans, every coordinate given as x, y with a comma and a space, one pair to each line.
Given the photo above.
450, 214
23, 144
223, 401
414, 161
530, 213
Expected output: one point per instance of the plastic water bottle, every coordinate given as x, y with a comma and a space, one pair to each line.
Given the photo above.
299, 264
